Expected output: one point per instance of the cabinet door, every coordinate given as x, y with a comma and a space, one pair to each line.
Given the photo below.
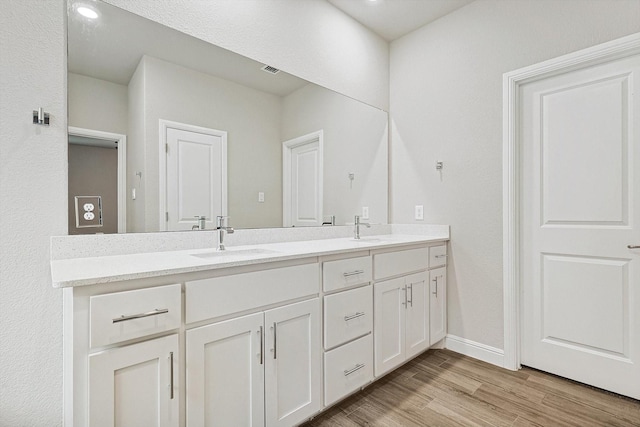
225, 375
417, 321
389, 300
293, 387
135, 385
438, 304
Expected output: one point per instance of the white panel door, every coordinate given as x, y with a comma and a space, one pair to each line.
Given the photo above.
417, 322
195, 178
389, 298
302, 181
581, 207
225, 375
293, 366
131, 385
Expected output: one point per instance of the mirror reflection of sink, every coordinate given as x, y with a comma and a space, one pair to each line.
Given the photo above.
235, 252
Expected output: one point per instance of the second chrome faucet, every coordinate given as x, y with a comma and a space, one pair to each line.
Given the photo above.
356, 230
223, 228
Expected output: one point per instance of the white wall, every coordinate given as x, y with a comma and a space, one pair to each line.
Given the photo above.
310, 39
249, 116
33, 163
355, 141
97, 104
446, 104
33, 170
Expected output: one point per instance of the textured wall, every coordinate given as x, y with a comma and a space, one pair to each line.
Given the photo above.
33, 171
310, 39
446, 104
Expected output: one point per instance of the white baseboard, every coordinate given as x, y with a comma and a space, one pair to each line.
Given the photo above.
479, 351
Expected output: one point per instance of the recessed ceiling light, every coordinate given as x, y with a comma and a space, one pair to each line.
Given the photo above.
87, 12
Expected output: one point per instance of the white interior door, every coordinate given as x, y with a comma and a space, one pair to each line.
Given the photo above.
302, 178
195, 181
580, 211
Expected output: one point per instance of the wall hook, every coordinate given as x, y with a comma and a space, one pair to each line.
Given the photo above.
40, 117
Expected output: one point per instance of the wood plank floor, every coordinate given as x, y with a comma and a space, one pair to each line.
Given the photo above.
442, 388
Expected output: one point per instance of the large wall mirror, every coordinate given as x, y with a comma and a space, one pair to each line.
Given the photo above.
166, 129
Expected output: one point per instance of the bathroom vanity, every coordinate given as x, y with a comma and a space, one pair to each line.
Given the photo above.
268, 334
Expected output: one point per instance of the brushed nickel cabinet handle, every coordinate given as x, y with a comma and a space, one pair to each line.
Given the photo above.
353, 273
411, 294
171, 375
155, 312
275, 342
633, 246
441, 256
354, 316
436, 292
354, 369
261, 332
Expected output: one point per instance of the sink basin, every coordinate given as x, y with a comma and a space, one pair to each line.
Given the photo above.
234, 252
368, 240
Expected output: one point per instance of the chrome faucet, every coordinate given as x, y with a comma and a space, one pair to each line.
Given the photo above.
201, 223
222, 229
356, 230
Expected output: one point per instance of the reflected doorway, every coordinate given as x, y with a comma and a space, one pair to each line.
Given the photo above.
97, 167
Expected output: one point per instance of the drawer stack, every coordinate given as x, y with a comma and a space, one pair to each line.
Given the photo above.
348, 323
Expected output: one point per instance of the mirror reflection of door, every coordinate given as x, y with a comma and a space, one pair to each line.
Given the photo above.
96, 168
195, 175
302, 180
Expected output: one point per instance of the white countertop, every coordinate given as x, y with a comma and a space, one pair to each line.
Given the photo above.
115, 268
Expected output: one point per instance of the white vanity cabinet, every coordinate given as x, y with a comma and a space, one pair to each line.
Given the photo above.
408, 315
261, 345
135, 385
256, 370
123, 373
260, 369
348, 323
438, 293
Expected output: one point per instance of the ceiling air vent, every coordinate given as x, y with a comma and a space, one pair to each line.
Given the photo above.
269, 69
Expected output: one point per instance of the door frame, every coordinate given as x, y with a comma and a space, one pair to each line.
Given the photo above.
165, 125
121, 140
512, 171
287, 147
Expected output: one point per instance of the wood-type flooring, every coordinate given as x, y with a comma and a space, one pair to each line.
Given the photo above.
442, 388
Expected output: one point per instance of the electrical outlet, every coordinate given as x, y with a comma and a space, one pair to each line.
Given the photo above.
419, 212
365, 212
260, 197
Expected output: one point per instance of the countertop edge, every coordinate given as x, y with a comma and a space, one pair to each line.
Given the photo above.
246, 261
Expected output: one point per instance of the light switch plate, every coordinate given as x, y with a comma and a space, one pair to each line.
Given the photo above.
419, 212
365, 212
260, 197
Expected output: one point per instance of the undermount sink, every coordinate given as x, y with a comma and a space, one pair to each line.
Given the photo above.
368, 240
234, 252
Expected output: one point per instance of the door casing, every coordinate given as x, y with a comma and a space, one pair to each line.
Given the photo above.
512, 171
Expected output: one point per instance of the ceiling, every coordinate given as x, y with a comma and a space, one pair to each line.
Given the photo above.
110, 48
392, 19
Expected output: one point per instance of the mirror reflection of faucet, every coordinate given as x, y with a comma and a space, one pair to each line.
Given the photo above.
222, 227
329, 220
357, 224
201, 223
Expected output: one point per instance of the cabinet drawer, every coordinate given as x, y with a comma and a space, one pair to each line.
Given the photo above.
347, 315
437, 256
400, 262
347, 368
346, 272
221, 296
127, 315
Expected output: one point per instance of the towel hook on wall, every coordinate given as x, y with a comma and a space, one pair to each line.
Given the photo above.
40, 117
